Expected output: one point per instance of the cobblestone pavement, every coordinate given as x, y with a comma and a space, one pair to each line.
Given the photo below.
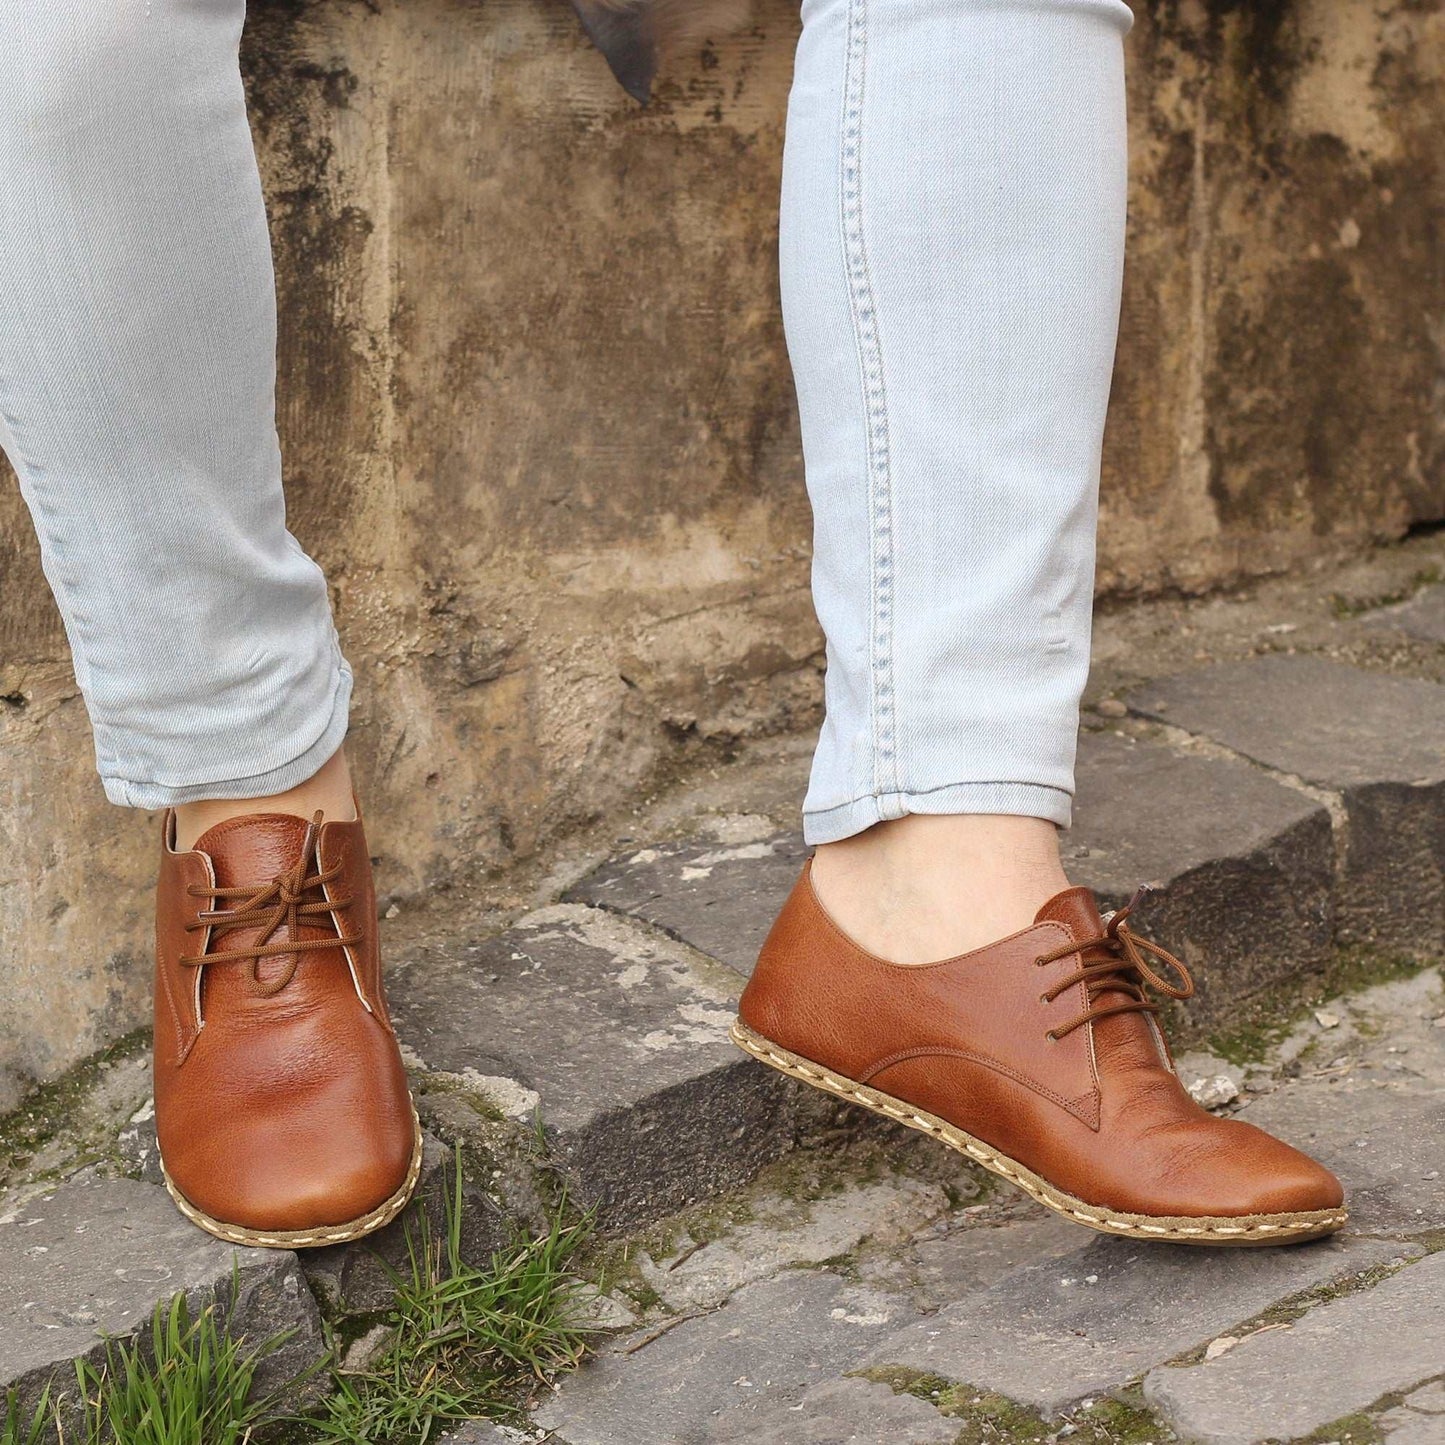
778, 1267
889, 1295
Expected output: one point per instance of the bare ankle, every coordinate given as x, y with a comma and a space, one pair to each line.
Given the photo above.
923, 888
328, 791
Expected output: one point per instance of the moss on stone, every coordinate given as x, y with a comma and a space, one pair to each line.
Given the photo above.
1122, 1419
1274, 1012
459, 1088
1346, 607
1351, 1430
989, 1418
1244, 1046
52, 1109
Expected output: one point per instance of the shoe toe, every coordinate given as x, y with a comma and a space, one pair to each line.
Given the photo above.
1261, 1175
270, 1177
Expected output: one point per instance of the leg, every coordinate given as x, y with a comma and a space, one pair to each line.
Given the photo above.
137, 372
953, 227
955, 208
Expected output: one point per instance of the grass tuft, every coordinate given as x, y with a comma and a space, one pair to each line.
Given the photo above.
464, 1341
461, 1343
191, 1381
16, 1430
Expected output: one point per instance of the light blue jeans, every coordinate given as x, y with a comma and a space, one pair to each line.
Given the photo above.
952, 246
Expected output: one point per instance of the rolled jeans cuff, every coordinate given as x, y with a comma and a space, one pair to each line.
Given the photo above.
310, 754
1024, 800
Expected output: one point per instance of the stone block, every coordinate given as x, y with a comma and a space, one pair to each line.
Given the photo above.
725, 1369
964, 1261
1244, 865
486, 1432
1419, 1419
1375, 740
96, 1256
780, 1233
1422, 617
843, 1412
1377, 1117
618, 1038
1081, 1324
1339, 1359
721, 899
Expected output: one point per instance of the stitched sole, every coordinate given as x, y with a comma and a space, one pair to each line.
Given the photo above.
1244, 1230
382, 1215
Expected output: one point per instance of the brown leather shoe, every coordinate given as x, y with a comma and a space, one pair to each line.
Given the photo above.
281, 1100
1039, 1057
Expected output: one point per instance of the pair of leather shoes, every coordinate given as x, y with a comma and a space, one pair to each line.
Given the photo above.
285, 1120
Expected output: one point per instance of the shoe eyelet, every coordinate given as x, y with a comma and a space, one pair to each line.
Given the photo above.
1052, 1037
1038, 963
1045, 999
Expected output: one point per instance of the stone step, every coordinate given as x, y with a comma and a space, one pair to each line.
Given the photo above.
95, 1256
1337, 1361
615, 1037
1245, 870
1243, 866
1374, 742
720, 899
607, 1014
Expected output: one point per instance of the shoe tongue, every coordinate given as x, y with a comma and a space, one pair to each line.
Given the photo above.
254, 849
251, 852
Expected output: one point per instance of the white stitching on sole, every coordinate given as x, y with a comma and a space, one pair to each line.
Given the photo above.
369, 1223
1284, 1226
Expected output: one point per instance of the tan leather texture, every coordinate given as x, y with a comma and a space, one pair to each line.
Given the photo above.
1096, 1110
281, 1098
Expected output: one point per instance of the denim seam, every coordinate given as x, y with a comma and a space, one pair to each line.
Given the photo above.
905, 794
875, 407
57, 567
855, 814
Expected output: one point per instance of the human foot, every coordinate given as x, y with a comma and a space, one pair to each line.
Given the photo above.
921, 888
282, 1105
1039, 1057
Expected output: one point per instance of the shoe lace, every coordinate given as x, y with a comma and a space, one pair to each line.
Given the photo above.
1126, 971
288, 899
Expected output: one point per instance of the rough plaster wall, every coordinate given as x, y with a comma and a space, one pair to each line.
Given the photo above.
1279, 384
540, 431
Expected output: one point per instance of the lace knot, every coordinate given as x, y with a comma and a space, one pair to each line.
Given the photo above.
297, 898
1126, 971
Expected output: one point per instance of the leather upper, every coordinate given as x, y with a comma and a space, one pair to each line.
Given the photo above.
281, 1098
1097, 1111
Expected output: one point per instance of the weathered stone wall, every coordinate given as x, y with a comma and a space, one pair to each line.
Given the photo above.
540, 427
